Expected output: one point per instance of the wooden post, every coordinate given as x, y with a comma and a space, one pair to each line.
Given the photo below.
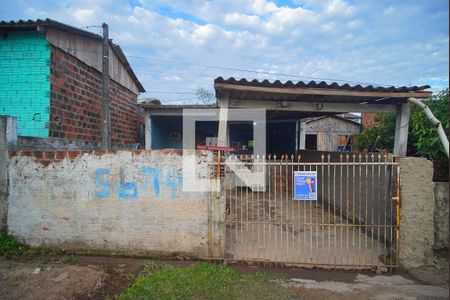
401, 130
223, 120
106, 113
148, 132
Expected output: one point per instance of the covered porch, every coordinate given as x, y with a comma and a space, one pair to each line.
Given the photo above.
297, 101
289, 108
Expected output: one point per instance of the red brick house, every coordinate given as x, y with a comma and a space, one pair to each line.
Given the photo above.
54, 86
368, 120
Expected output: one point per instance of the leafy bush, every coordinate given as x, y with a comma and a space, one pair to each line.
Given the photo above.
423, 139
428, 142
9, 246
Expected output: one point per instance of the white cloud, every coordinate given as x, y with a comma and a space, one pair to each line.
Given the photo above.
243, 20
83, 15
326, 39
388, 10
340, 8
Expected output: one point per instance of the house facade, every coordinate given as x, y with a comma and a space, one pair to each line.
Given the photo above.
52, 83
298, 116
329, 133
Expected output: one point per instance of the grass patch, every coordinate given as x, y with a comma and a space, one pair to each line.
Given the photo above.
150, 266
14, 251
205, 281
10, 247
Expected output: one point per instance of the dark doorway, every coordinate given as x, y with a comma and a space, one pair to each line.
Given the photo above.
311, 142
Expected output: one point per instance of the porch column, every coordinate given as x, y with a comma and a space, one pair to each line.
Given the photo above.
223, 120
401, 130
302, 135
148, 131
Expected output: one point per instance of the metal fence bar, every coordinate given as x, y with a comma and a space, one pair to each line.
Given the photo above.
353, 223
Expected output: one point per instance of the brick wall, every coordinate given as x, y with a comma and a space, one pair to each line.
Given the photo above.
75, 112
25, 81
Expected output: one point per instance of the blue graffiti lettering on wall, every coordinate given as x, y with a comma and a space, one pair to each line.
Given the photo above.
105, 184
129, 190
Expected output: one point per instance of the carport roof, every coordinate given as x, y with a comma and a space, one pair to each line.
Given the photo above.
244, 89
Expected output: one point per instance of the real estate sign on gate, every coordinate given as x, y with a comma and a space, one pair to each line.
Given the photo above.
305, 185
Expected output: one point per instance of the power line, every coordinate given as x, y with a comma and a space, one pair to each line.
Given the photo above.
174, 93
176, 73
253, 71
230, 68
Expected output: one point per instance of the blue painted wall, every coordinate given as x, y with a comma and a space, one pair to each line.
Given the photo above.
25, 81
161, 128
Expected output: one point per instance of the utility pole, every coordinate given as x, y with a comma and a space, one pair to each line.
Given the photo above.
106, 113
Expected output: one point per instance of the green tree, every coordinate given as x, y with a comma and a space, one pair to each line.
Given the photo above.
428, 142
423, 139
204, 96
380, 135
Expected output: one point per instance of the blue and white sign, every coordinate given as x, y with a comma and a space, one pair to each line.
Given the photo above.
305, 185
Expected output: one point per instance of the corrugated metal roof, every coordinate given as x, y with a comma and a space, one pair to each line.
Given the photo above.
33, 24
318, 85
331, 116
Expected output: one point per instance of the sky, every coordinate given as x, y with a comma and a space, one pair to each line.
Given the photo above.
176, 47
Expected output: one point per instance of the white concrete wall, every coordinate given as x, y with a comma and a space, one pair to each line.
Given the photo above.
441, 215
130, 202
3, 173
416, 212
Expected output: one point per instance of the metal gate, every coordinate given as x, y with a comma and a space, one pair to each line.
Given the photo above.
353, 224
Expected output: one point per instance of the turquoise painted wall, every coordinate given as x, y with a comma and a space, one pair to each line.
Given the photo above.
25, 81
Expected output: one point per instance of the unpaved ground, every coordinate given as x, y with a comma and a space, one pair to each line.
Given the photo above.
17, 281
368, 287
84, 277
95, 277
280, 230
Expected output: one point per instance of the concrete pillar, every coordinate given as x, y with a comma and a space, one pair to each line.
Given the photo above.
441, 192
302, 135
401, 130
416, 212
3, 174
222, 137
148, 131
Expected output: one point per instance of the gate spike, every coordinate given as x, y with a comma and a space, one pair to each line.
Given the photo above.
299, 157
292, 156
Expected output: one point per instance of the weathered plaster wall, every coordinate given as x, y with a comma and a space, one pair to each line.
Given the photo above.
122, 202
3, 172
417, 212
441, 215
